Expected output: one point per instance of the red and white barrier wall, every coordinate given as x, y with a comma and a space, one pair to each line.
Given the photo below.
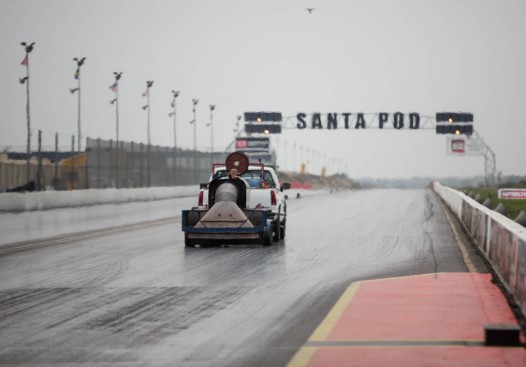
502, 240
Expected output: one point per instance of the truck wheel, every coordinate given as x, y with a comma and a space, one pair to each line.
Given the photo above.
277, 232
276, 227
267, 234
282, 232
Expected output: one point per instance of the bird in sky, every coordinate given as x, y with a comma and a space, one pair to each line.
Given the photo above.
310, 10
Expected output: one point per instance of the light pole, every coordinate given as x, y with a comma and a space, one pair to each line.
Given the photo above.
211, 124
285, 154
173, 114
194, 121
147, 107
237, 130
307, 162
294, 157
115, 89
28, 48
301, 158
79, 63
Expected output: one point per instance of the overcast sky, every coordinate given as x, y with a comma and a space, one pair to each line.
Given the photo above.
347, 56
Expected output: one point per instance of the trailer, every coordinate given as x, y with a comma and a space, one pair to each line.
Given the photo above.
235, 211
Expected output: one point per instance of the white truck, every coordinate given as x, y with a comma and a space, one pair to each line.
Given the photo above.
243, 202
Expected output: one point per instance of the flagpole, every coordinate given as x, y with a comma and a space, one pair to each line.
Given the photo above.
28, 114
117, 163
79, 133
149, 177
28, 49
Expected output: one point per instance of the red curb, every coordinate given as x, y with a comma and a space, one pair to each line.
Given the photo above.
419, 357
430, 320
446, 306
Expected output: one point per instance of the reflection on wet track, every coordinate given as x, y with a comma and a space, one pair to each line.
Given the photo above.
138, 297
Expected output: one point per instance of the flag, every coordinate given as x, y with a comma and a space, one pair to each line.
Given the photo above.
22, 80
24, 62
146, 93
173, 103
192, 121
171, 114
113, 101
77, 73
145, 107
113, 87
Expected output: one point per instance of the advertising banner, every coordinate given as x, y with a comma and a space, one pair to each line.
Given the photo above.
512, 193
520, 277
503, 252
258, 143
475, 222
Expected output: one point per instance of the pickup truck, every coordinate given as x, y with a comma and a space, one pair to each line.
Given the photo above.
257, 192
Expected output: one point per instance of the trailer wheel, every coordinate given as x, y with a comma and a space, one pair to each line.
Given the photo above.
267, 241
276, 232
187, 241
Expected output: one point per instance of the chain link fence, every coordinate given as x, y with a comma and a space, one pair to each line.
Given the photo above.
104, 164
129, 164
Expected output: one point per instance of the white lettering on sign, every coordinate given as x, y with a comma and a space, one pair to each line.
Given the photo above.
512, 193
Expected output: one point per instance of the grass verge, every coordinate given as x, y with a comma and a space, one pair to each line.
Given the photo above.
513, 207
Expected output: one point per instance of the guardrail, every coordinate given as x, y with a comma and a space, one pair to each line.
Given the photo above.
502, 240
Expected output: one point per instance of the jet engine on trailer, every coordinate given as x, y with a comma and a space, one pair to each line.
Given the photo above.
227, 219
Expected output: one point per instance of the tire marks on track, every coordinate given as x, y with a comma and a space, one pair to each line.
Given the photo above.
102, 316
22, 246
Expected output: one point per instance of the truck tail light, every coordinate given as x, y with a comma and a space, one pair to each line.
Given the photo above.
200, 200
273, 199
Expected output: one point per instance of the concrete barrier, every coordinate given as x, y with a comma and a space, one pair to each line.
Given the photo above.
16, 202
31, 201
502, 240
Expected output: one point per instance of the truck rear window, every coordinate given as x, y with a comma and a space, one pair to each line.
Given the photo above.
253, 177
